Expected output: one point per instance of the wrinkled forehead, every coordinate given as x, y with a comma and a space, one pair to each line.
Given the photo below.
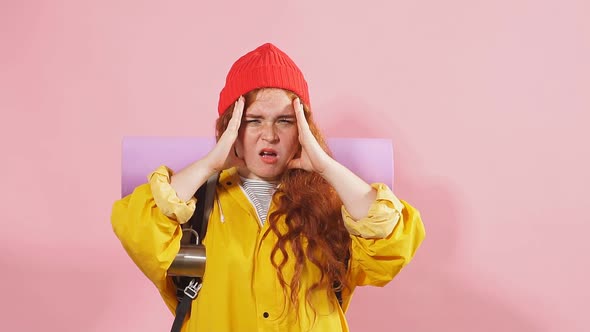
270, 102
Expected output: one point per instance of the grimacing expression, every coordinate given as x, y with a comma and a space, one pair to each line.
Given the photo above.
268, 136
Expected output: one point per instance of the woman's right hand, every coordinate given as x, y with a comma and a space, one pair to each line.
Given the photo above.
186, 182
223, 154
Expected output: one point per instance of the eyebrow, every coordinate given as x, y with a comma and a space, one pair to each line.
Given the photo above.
282, 116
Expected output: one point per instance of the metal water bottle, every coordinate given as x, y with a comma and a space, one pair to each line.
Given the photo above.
190, 260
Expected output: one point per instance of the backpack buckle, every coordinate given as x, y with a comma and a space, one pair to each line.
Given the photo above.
193, 288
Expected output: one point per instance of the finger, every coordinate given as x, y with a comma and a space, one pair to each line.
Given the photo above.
297, 107
233, 126
236, 118
300, 115
224, 147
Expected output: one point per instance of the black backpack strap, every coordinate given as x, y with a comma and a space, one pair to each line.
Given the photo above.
187, 288
184, 306
211, 189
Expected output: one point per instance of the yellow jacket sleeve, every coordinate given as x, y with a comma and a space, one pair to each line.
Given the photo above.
385, 241
149, 232
167, 199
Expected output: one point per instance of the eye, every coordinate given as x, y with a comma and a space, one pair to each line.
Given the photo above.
286, 121
252, 121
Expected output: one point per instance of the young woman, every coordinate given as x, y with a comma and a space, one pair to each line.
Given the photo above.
288, 222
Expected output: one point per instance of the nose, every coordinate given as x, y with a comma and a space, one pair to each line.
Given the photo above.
269, 133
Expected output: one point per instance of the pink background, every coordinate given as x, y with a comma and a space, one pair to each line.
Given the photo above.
486, 103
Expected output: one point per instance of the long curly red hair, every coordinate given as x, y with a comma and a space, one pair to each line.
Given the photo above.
313, 212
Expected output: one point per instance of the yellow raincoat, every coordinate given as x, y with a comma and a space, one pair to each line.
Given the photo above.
241, 291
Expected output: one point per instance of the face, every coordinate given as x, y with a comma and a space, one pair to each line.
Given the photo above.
268, 137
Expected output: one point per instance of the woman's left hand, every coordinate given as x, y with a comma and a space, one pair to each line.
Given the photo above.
313, 158
356, 195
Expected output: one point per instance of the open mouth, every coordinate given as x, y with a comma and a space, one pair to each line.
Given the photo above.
268, 156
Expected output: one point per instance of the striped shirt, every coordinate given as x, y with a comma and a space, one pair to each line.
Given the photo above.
260, 194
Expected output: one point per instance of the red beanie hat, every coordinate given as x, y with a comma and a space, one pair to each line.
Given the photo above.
264, 67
